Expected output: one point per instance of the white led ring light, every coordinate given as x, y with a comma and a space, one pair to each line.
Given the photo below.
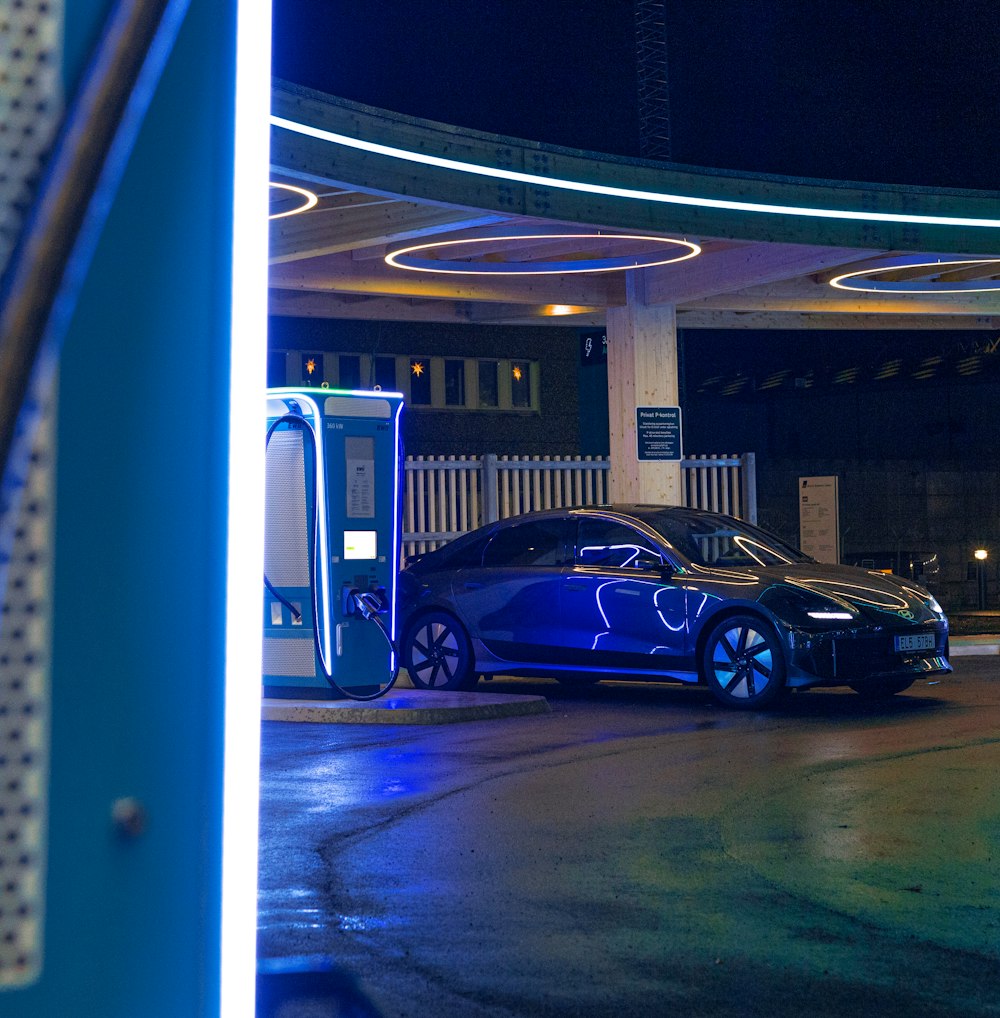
403, 258
613, 191
861, 280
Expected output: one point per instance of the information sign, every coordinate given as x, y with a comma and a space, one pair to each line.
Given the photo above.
658, 432
819, 518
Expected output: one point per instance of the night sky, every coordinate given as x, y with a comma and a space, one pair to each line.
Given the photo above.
900, 92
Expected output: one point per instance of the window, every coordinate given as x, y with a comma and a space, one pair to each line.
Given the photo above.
385, 373
420, 381
614, 546
312, 368
349, 371
520, 384
538, 544
489, 388
454, 383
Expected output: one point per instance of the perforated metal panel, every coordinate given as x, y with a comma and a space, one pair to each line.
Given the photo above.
30, 107
30, 104
286, 547
290, 657
24, 721
346, 406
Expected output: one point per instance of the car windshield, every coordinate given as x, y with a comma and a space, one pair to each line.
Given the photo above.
722, 541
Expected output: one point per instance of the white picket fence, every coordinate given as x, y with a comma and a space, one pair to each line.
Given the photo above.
445, 496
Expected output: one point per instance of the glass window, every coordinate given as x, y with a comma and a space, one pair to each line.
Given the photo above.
706, 540
520, 384
614, 545
385, 373
349, 371
420, 381
536, 545
454, 383
489, 389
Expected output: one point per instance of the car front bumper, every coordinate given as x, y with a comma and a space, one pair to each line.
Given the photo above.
844, 657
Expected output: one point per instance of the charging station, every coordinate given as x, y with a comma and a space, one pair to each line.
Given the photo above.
332, 532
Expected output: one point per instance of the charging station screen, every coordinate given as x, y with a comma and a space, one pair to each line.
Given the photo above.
360, 455
360, 544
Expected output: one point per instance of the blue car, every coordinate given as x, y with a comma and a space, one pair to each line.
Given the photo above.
660, 593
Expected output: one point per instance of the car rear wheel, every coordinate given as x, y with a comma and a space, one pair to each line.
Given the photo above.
877, 689
743, 663
437, 654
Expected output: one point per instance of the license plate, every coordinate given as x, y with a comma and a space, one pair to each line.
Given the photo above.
921, 641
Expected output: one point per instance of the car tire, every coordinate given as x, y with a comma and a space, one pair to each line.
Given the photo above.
437, 654
743, 663
879, 689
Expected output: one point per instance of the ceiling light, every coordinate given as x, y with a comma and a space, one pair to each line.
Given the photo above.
309, 200
861, 279
665, 250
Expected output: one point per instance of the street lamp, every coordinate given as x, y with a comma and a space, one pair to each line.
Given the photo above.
981, 555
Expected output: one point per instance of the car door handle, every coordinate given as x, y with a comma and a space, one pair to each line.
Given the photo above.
576, 586
473, 585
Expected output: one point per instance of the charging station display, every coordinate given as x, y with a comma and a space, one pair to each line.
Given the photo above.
332, 531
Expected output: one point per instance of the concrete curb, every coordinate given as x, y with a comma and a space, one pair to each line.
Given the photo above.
406, 707
974, 646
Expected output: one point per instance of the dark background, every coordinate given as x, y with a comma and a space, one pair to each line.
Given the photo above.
898, 92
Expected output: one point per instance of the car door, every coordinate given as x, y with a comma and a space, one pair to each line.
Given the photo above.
621, 607
512, 601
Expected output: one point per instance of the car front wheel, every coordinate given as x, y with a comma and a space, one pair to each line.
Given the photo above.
743, 663
437, 654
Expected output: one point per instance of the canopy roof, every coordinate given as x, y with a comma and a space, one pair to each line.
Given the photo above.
527, 233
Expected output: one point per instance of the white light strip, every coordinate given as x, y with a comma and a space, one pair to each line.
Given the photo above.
310, 200
624, 192
322, 517
245, 536
395, 563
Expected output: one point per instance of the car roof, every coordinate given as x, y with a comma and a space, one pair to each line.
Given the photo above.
637, 510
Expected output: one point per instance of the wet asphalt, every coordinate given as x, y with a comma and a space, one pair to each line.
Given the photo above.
638, 850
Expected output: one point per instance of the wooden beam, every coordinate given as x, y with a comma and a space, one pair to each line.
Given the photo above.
685, 201
826, 299
809, 320
320, 232
310, 304
339, 273
738, 267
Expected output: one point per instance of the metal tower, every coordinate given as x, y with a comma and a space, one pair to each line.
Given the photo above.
654, 90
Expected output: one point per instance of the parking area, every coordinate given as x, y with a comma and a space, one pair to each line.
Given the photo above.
639, 848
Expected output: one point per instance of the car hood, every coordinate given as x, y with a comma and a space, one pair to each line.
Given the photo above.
879, 597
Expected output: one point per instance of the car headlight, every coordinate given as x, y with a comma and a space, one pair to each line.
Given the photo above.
800, 607
932, 603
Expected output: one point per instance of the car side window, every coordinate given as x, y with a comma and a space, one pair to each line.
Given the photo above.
536, 544
614, 545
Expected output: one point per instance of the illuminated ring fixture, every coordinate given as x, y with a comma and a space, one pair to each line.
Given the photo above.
309, 201
861, 279
666, 251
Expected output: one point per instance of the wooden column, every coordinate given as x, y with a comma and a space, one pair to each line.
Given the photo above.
642, 371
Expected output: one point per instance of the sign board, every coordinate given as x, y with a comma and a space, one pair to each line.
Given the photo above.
658, 432
819, 518
593, 347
